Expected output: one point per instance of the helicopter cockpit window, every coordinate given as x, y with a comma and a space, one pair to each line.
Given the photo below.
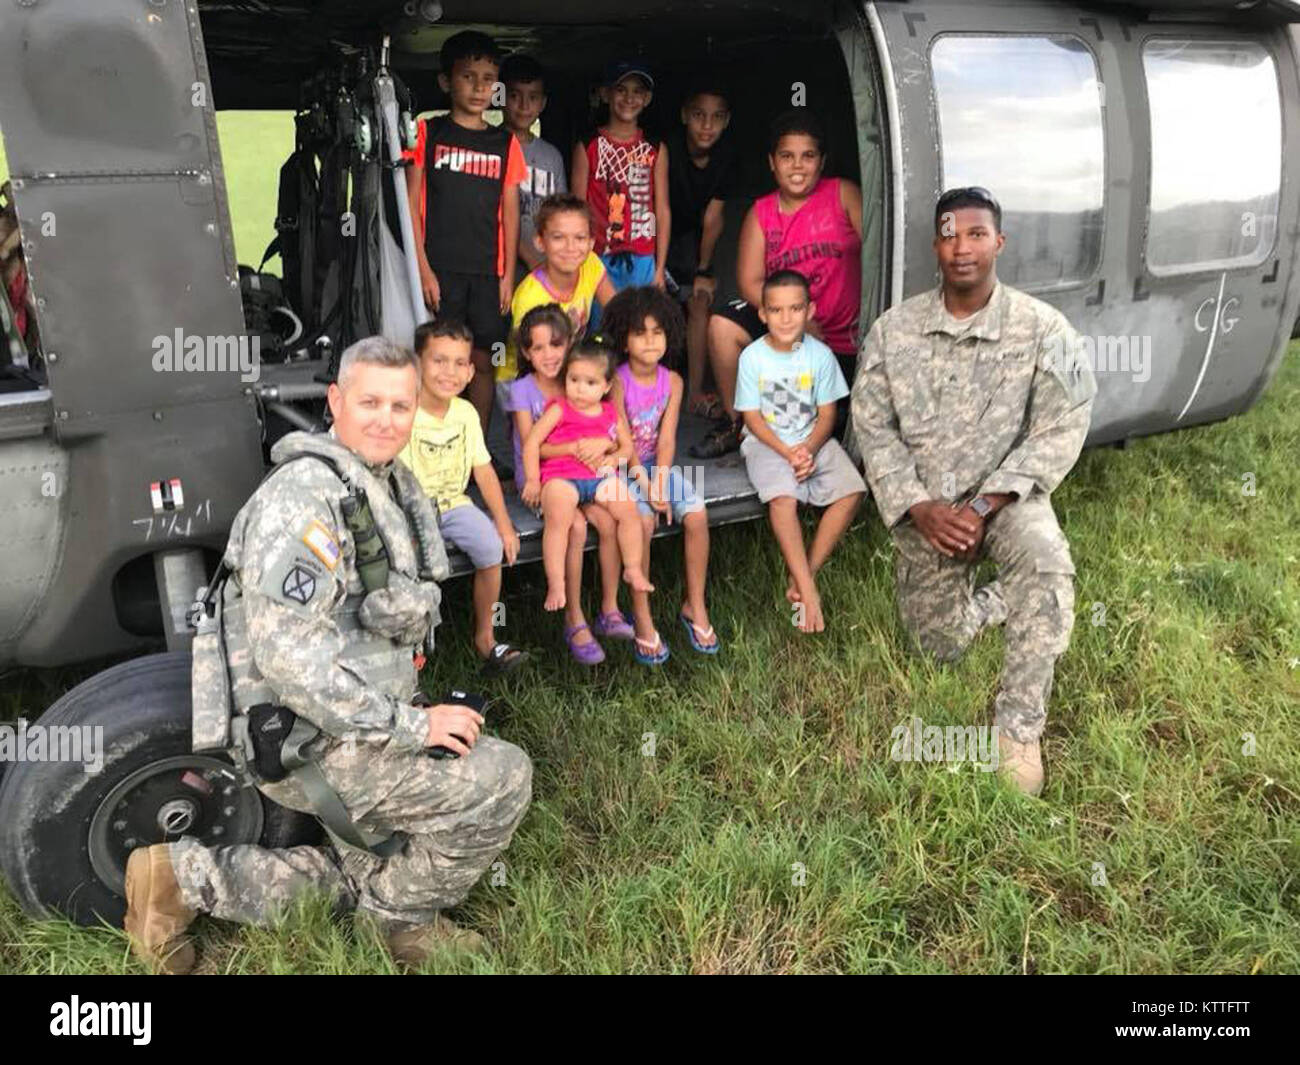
1216, 154
1022, 116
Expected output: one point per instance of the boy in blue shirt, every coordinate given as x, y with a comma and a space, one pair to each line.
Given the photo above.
786, 389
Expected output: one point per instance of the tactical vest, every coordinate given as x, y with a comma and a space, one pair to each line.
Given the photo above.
381, 627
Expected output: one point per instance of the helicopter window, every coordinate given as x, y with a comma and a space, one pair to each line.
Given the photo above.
1216, 154
1022, 116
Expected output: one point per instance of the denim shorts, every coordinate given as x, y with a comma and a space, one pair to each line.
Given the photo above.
586, 487
681, 494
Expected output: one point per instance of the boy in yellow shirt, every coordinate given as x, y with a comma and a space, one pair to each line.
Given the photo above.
447, 448
570, 274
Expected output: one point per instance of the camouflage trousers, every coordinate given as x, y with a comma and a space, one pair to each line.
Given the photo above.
460, 813
1033, 593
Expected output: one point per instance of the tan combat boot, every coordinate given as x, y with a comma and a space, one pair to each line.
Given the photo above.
1021, 764
156, 915
414, 946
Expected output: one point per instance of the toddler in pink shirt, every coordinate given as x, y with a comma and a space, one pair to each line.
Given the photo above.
575, 431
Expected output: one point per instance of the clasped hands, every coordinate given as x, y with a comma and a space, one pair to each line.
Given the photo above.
954, 531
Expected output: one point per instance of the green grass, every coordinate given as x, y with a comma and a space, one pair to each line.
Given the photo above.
254, 144
776, 753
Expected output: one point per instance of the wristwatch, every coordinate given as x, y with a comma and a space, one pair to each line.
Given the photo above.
981, 506
704, 271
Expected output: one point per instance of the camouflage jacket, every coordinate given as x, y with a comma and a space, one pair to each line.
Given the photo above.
297, 613
943, 411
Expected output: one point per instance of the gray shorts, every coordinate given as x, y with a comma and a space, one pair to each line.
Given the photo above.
834, 476
469, 529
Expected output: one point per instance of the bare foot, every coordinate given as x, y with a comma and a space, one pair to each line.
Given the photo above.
808, 616
792, 593
636, 580
554, 598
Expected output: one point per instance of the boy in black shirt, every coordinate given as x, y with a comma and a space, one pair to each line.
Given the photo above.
463, 185
701, 175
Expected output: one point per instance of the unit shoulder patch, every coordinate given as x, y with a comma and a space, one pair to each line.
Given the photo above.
297, 580
1064, 355
299, 585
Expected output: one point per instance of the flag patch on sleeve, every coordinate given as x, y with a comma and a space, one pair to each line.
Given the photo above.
322, 544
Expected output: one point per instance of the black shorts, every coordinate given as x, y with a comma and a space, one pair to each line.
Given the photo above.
676, 287
745, 315
476, 300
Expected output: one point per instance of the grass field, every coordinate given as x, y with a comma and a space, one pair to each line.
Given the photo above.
769, 831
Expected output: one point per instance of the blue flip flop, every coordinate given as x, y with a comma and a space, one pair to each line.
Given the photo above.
694, 633
658, 654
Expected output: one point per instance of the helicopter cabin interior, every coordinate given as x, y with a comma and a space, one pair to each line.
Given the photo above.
810, 67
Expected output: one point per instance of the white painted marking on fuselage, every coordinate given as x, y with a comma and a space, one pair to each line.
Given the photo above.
1209, 347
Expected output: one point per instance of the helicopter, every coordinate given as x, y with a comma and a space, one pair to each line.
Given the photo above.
1146, 156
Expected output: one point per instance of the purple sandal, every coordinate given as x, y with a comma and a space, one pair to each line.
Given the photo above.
589, 653
614, 626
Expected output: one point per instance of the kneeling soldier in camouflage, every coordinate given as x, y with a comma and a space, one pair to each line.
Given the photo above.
312, 641
968, 411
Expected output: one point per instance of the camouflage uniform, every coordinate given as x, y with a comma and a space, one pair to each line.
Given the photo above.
946, 409
301, 631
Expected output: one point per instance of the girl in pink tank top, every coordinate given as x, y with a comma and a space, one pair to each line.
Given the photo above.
645, 407
819, 240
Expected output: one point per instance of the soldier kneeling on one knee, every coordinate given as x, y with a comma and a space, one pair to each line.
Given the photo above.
970, 406
306, 667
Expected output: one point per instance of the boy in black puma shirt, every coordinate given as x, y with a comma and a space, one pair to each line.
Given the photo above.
463, 185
